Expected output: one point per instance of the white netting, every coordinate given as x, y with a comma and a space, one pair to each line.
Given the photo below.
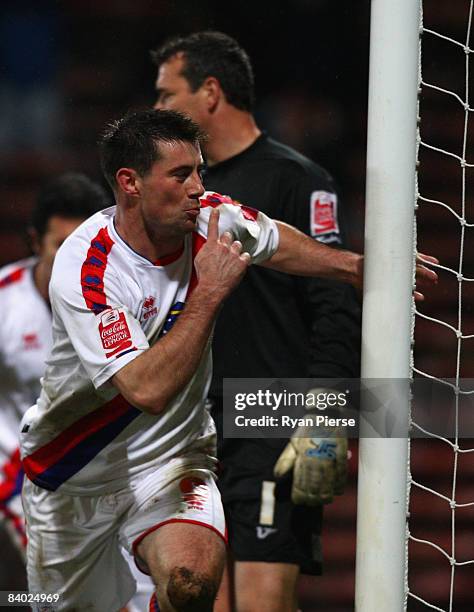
441, 524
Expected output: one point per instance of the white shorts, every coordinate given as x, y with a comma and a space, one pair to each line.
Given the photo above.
74, 542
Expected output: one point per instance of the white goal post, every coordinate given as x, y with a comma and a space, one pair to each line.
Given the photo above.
388, 282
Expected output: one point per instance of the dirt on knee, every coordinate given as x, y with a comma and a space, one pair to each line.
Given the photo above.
191, 592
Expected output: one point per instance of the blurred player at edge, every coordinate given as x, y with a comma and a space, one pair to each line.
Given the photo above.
26, 338
273, 325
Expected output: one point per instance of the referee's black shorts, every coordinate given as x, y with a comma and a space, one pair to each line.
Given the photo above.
263, 524
274, 530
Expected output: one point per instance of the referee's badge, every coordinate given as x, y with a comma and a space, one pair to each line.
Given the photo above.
323, 216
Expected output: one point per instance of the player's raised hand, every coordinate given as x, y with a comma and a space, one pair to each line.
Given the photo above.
213, 226
220, 264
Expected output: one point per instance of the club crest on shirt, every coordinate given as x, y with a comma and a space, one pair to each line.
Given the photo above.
323, 216
194, 492
31, 341
114, 332
149, 308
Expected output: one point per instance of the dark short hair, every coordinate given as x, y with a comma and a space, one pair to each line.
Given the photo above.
71, 195
133, 141
213, 54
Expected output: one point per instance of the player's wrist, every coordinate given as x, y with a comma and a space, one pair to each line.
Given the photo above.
345, 266
205, 298
354, 269
213, 293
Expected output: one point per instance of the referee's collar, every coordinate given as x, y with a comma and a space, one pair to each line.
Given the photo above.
249, 150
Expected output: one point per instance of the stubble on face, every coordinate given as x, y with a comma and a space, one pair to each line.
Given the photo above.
172, 189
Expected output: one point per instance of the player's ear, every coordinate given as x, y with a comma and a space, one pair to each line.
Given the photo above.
128, 181
213, 94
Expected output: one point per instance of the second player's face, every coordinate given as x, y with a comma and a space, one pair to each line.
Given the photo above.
57, 230
174, 92
170, 191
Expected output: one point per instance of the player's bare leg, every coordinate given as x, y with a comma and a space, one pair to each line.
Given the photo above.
225, 595
186, 562
265, 587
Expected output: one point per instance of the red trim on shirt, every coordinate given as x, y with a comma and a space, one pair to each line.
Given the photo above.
10, 471
167, 259
11, 278
249, 213
216, 199
93, 270
46, 456
10, 487
198, 242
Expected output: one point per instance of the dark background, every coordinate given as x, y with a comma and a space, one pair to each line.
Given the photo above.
69, 67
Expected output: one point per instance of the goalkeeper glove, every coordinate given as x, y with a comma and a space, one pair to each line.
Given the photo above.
319, 463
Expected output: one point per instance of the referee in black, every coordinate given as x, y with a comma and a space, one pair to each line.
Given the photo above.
273, 325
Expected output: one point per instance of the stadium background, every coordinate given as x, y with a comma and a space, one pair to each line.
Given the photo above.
69, 67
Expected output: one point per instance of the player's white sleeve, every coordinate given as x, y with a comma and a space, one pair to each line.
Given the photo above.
104, 337
257, 232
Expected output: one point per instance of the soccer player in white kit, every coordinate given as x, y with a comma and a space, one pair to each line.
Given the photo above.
119, 448
26, 338
25, 324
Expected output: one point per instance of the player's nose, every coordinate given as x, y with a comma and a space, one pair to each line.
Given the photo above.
196, 187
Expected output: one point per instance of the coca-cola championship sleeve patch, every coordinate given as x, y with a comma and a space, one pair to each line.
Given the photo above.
324, 225
104, 341
119, 338
114, 332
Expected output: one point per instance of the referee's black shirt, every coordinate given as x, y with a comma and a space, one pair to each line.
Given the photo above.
274, 324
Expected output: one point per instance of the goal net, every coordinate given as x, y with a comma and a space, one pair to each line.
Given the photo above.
415, 540
441, 511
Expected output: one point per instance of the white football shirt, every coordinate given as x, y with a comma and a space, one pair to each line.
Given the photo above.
109, 305
25, 342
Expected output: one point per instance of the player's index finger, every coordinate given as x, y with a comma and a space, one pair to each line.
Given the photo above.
213, 226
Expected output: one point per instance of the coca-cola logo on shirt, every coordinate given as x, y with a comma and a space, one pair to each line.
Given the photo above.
114, 332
